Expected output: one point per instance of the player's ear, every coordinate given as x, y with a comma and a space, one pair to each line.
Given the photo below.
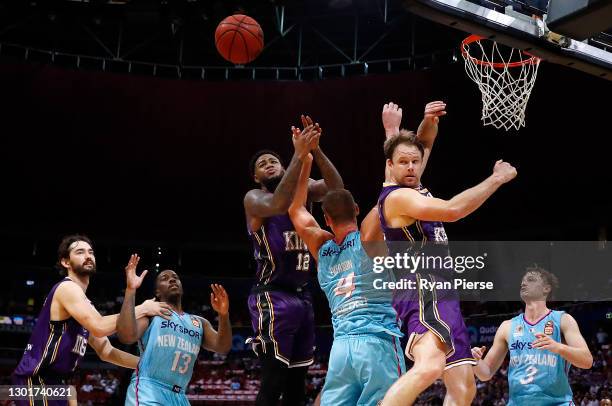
389, 163
356, 210
65, 263
327, 222
256, 179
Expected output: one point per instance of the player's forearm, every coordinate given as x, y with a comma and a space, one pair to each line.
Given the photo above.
482, 371
427, 132
224, 335
579, 357
301, 192
127, 330
469, 200
121, 358
284, 191
330, 174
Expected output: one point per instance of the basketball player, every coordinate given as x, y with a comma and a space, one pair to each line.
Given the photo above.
280, 307
364, 360
68, 322
438, 340
426, 134
543, 344
169, 348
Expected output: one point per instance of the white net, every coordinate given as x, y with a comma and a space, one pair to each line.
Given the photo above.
505, 77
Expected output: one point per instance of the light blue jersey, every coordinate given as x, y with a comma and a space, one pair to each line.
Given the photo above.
536, 376
168, 352
346, 276
364, 360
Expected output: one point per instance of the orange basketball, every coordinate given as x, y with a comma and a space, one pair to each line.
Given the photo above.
239, 39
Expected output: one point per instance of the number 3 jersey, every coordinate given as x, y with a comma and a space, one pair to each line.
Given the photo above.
358, 302
537, 376
169, 349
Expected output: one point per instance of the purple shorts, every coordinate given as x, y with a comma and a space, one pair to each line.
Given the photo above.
438, 311
36, 380
283, 322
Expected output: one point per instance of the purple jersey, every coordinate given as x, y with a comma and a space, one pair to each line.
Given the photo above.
55, 347
282, 257
419, 231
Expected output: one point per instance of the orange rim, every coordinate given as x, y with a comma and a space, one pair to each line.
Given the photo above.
498, 65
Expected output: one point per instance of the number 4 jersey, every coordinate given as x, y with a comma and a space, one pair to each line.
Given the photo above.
357, 301
169, 350
537, 376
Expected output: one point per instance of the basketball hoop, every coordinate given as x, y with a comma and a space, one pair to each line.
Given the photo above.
505, 77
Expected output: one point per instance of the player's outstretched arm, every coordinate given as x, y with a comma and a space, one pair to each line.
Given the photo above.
258, 203
305, 224
428, 129
575, 351
106, 352
331, 177
72, 298
408, 202
219, 340
488, 366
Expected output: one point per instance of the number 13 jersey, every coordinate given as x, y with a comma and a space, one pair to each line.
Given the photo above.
169, 349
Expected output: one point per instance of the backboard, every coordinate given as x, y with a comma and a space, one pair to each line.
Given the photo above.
571, 35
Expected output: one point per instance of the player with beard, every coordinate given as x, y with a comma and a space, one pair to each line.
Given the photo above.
281, 309
169, 348
438, 342
68, 321
543, 344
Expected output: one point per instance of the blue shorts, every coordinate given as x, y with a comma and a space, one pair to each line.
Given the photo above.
361, 369
144, 391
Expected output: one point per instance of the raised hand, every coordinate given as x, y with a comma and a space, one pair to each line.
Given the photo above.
133, 281
303, 141
219, 299
153, 308
434, 110
504, 171
391, 118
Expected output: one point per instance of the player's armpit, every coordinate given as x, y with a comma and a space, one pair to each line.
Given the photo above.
317, 189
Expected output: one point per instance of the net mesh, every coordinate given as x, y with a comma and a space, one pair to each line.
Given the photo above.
505, 77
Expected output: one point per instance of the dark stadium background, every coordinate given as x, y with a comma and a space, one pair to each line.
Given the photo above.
142, 163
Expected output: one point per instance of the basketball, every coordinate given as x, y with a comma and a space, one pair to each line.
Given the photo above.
239, 39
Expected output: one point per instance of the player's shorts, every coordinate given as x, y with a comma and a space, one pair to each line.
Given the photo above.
40, 381
361, 369
284, 322
438, 311
144, 391
541, 401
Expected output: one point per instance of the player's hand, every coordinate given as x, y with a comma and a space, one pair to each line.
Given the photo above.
434, 110
133, 281
306, 121
391, 118
153, 308
304, 140
544, 342
219, 300
504, 172
478, 353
